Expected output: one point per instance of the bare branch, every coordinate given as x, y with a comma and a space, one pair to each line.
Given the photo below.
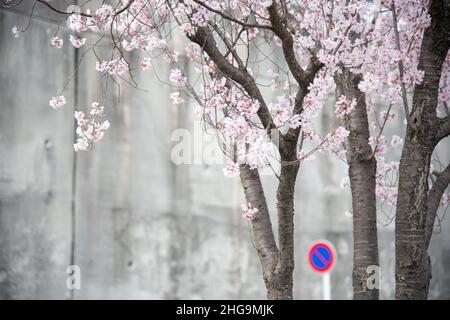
230, 47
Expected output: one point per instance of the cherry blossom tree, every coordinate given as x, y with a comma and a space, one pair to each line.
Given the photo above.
417, 203
365, 57
388, 53
405, 53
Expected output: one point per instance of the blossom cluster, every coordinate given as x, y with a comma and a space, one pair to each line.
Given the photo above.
57, 102
57, 42
248, 143
356, 35
90, 128
114, 67
283, 112
77, 41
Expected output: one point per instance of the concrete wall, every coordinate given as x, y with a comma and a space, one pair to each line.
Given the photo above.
139, 226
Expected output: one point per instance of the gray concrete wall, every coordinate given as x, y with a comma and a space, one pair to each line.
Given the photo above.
142, 226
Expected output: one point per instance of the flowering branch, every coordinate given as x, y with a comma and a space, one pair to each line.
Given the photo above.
230, 18
400, 63
204, 39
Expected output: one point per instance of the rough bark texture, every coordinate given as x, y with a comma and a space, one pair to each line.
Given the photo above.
434, 198
412, 276
281, 281
361, 170
263, 238
412, 270
277, 264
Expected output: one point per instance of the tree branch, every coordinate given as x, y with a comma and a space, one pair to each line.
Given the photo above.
303, 78
204, 39
443, 129
434, 198
261, 225
400, 63
80, 13
285, 206
287, 44
229, 46
230, 18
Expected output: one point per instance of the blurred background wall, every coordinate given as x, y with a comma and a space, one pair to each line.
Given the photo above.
139, 225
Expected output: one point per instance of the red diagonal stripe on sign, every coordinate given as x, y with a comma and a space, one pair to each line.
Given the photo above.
321, 257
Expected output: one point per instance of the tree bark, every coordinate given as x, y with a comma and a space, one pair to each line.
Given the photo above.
262, 231
281, 280
361, 170
434, 198
412, 269
277, 264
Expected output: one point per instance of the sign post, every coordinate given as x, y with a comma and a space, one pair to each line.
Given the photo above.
326, 286
322, 259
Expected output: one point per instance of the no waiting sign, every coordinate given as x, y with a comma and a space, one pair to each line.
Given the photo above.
322, 256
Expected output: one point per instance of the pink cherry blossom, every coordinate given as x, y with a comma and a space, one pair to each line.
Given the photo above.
176, 98
114, 67
96, 109
57, 42
231, 169
177, 77
57, 102
90, 130
81, 145
396, 141
344, 106
146, 63
16, 31
248, 212
193, 51
445, 200
77, 23
76, 41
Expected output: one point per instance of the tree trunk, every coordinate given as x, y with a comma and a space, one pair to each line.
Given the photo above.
412, 269
262, 232
280, 284
361, 171
277, 264
412, 276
